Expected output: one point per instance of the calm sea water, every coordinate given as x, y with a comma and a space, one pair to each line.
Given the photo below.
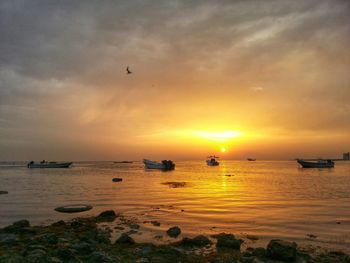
267, 199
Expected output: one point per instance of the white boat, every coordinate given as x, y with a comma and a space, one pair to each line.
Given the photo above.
316, 164
164, 165
45, 164
211, 161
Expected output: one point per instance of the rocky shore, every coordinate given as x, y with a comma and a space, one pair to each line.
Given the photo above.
83, 240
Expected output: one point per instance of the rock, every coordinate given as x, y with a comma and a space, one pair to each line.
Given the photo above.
117, 179
3, 192
35, 247
103, 237
64, 254
60, 223
99, 256
174, 231
18, 226
108, 215
8, 239
282, 250
125, 239
55, 260
50, 238
13, 258
311, 236
82, 248
155, 223
252, 237
119, 228
175, 184
228, 241
37, 256
198, 241
21, 223
134, 226
76, 224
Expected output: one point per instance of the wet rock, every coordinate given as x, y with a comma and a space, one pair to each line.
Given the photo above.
125, 239
82, 248
108, 215
252, 237
134, 226
37, 256
117, 180
132, 231
175, 184
282, 250
21, 223
174, 231
55, 260
103, 237
311, 236
3, 192
65, 254
35, 247
155, 223
99, 256
50, 238
60, 223
228, 241
198, 241
14, 258
8, 239
147, 249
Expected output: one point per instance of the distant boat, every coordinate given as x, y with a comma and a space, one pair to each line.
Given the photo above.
124, 162
316, 164
251, 159
164, 165
211, 161
45, 164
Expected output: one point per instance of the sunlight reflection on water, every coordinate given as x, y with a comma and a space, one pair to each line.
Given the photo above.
268, 199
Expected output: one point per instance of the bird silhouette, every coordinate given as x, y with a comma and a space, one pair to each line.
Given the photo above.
128, 70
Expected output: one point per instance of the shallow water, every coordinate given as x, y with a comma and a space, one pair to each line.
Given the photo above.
267, 199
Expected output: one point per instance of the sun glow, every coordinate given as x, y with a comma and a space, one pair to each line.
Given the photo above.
223, 149
218, 136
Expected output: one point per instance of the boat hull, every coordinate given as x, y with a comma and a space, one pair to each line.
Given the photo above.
323, 164
156, 165
50, 165
212, 163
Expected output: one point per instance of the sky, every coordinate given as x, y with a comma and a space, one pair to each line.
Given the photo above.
264, 79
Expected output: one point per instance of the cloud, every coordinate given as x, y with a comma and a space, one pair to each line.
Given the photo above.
62, 67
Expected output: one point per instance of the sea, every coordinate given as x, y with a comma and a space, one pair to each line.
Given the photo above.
257, 201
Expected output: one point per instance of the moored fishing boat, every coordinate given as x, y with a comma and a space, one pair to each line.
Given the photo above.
316, 164
45, 164
164, 165
211, 161
251, 159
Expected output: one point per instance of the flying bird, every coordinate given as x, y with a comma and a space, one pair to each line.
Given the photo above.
128, 70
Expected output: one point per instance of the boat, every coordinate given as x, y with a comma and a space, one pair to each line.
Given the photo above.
45, 164
251, 159
163, 165
211, 161
321, 163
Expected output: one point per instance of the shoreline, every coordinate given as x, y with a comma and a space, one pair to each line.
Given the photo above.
89, 240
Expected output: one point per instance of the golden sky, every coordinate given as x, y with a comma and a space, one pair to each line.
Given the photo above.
265, 79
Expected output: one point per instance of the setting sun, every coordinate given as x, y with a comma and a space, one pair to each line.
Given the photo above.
223, 149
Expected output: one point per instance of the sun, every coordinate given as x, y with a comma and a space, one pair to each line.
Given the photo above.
223, 149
